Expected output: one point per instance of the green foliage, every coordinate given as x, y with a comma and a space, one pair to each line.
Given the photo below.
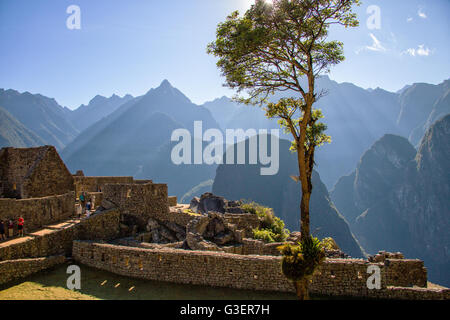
285, 109
272, 228
269, 49
276, 42
300, 261
265, 235
330, 244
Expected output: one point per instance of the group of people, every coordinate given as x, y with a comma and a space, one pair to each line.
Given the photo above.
9, 225
84, 206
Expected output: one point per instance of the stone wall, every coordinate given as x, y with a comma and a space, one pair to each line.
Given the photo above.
33, 172
173, 201
103, 226
58, 239
246, 222
338, 277
96, 197
141, 201
96, 184
48, 177
258, 247
38, 212
17, 269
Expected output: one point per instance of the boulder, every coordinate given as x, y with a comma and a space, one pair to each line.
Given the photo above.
209, 202
210, 232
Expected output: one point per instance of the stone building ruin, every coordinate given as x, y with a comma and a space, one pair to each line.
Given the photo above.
33, 173
139, 231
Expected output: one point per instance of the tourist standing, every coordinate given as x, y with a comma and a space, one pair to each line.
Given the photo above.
82, 201
10, 228
2, 231
79, 210
20, 226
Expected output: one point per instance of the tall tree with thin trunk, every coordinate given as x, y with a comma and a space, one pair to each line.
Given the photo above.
283, 46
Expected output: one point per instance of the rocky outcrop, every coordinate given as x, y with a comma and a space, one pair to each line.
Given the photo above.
210, 232
209, 202
162, 232
402, 199
282, 194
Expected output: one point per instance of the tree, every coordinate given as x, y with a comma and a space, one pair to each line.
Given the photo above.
270, 49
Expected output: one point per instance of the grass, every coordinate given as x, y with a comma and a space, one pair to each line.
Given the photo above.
102, 285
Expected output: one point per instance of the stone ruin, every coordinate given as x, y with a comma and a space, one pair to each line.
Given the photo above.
211, 232
212, 228
207, 231
382, 256
209, 202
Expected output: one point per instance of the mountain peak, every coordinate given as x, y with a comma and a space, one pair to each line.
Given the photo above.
97, 99
165, 84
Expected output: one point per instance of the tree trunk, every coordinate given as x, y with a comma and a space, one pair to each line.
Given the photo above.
304, 214
301, 288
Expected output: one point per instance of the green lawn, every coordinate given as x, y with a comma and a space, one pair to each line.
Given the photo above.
96, 284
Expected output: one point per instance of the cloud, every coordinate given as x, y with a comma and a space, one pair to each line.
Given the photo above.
420, 51
421, 14
376, 45
410, 19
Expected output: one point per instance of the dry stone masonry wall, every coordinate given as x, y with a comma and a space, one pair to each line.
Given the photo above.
38, 212
32, 173
17, 269
58, 239
337, 277
96, 184
141, 201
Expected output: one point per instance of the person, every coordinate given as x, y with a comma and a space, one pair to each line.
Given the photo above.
79, 210
2, 231
82, 200
89, 205
10, 228
20, 226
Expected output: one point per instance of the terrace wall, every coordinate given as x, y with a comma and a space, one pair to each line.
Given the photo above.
38, 212
17, 269
58, 239
338, 277
96, 184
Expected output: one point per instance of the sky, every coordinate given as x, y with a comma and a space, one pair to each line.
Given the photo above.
128, 47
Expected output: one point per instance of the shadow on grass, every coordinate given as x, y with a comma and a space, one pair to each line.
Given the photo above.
108, 286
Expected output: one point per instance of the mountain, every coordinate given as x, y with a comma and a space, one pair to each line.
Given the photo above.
98, 108
181, 179
399, 199
356, 118
282, 194
15, 134
197, 191
437, 107
136, 140
222, 110
41, 115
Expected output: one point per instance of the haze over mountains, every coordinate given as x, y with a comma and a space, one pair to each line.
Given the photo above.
394, 199
398, 198
41, 115
99, 107
356, 118
282, 194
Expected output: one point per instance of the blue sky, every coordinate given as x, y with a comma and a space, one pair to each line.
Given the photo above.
131, 46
